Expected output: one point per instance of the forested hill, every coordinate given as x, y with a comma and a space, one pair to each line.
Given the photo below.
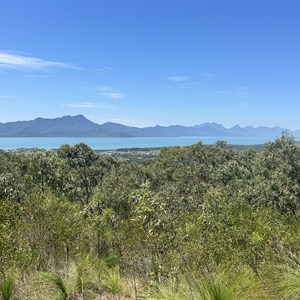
79, 126
201, 222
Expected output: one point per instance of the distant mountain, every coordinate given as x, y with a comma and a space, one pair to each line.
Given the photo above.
65, 126
257, 131
80, 126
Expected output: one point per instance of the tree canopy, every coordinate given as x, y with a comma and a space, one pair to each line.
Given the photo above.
180, 226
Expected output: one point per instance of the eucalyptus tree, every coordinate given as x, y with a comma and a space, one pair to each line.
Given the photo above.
277, 175
81, 159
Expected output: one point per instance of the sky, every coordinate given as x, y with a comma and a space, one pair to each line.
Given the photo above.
143, 63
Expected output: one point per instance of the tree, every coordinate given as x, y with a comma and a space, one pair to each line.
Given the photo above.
81, 158
277, 175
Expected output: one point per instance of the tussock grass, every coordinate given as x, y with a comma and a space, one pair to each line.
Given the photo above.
7, 289
113, 282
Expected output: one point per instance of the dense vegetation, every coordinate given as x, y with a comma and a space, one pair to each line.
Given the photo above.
204, 222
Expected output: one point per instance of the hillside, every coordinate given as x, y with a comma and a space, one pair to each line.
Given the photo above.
80, 126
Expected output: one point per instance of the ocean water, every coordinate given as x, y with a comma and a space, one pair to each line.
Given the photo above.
117, 143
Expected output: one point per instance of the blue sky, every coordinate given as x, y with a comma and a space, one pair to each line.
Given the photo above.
144, 63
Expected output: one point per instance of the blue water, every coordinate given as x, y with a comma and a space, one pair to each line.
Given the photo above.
117, 143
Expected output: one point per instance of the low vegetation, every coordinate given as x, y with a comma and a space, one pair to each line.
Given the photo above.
204, 222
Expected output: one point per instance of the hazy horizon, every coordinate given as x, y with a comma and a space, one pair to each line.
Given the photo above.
143, 63
168, 125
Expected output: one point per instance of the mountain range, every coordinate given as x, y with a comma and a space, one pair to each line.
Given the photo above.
80, 126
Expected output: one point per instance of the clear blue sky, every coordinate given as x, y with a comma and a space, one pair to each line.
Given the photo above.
152, 62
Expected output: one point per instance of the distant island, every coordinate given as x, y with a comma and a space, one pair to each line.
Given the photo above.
80, 126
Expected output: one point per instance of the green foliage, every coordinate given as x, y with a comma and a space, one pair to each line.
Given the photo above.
57, 287
83, 275
284, 279
277, 175
76, 282
7, 246
113, 282
81, 159
7, 287
223, 287
193, 216
169, 292
49, 228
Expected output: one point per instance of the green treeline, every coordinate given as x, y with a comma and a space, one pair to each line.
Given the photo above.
204, 222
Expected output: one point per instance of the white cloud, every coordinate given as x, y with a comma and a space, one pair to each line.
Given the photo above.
89, 105
108, 92
89, 89
238, 92
35, 76
177, 78
104, 69
14, 61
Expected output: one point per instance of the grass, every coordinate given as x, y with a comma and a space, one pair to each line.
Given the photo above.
7, 288
113, 282
55, 285
81, 282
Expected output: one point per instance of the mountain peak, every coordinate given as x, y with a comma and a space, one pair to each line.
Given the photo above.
78, 117
236, 127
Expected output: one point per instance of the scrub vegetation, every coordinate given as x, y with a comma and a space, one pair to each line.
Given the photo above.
203, 222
